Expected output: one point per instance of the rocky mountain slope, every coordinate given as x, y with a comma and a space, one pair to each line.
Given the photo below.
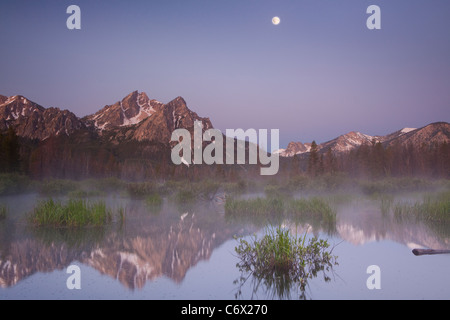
131, 139
131, 110
435, 133
438, 132
33, 121
135, 117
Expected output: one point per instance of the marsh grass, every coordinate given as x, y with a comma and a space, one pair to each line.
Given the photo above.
386, 205
256, 206
433, 207
385, 201
315, 211
281, 259
73, 213
314, 206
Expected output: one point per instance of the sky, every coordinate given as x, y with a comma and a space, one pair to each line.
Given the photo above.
318, 74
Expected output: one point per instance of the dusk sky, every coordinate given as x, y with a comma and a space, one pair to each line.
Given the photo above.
318, 74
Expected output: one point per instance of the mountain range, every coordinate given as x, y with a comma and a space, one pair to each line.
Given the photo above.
435, 133
137, 117
132, 137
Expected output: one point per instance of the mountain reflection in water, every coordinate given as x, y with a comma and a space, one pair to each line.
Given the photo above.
147, 246
150, 245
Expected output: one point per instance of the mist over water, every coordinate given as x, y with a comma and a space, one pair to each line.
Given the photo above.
185, 250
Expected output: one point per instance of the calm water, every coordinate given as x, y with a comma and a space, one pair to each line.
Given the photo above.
188, 253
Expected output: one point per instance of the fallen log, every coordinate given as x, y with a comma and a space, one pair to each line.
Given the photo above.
421, 252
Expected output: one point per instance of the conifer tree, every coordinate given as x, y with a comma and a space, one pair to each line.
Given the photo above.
313, 161
11, 150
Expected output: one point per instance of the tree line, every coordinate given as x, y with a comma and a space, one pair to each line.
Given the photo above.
87, 157
376, 161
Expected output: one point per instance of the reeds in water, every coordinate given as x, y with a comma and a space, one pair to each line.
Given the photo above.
431, 208
73, 213
281, 254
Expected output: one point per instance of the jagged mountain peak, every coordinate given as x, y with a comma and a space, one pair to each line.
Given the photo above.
131, 110
171, 116
179, 99
294, 148
15, 99
135, 117
33, 121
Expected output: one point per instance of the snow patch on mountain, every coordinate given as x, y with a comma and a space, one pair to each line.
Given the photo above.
406, 130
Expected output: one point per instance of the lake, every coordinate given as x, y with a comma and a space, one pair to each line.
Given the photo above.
187, 252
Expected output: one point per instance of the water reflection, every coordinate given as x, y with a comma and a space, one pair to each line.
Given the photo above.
168, 242
276, 286
280, 264
362, 222
147, 246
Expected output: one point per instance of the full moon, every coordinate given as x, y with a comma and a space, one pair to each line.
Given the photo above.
276, 20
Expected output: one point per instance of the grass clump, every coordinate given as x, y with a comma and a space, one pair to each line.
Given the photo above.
74, 213
313, 205
282, 259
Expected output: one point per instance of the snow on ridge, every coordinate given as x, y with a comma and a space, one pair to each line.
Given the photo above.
145, 110
138, 118
279, 151
406, 130
14, 98
102, 127
9, 100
